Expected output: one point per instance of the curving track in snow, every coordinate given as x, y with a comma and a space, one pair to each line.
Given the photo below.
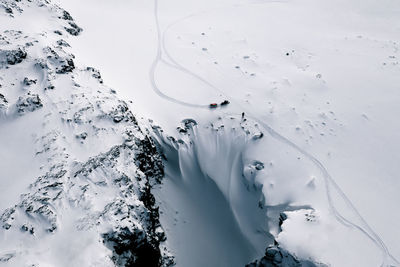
155, 64
330, 183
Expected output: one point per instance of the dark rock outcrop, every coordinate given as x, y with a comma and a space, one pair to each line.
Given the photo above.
12, 57
276, 256
3, 103
78, 116
73, 29
68, 66
28, 103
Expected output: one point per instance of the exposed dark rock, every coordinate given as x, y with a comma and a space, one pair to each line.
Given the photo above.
258, 165
63, 43
282, 218
182, 130
12, 57
258, 135
276, 256
121, 113
132, 248
29, 82
67, 16
73, 29
28, 103
3, 103
189, 123
148, 160
82, 136
95, 74
27, 228
67, 67
49, 87
11, 6
8, 10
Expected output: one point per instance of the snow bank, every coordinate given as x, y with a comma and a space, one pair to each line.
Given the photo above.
210, 215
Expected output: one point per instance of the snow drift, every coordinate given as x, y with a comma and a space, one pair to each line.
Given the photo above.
207, 190
274, 192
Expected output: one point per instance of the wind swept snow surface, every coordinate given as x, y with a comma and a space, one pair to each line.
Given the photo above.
268, 200
211, 217
299, 169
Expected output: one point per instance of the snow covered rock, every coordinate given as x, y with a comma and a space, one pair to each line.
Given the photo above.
73, 29
278, 257
12, 57
3, 104
88, 201
28, 103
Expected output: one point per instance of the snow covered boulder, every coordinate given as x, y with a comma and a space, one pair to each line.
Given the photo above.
67, 66
95, 74
28, 103
86, 199
73, 29
276, 256
3, 104
12, 57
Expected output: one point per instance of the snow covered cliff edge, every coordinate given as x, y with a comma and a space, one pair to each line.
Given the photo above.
73, 151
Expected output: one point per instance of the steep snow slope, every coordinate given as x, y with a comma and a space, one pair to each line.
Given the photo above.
76, 170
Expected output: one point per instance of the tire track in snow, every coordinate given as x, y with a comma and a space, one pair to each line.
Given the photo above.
159, 59
328, 179
366, 230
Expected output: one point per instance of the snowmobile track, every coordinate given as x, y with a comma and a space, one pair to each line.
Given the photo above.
329, 181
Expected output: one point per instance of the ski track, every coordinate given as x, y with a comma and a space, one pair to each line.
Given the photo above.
155, 63
328, 179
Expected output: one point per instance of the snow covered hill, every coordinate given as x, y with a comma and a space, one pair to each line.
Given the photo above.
296, 165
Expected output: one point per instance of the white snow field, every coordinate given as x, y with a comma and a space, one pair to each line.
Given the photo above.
311, 132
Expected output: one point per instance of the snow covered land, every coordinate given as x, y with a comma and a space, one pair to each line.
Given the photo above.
111, 154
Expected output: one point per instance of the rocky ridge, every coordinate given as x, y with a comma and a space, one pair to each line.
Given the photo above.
98, 165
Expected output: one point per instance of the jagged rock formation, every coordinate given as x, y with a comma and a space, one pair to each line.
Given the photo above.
12, 57
28, 103
3, 103
276, 256
97, 165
